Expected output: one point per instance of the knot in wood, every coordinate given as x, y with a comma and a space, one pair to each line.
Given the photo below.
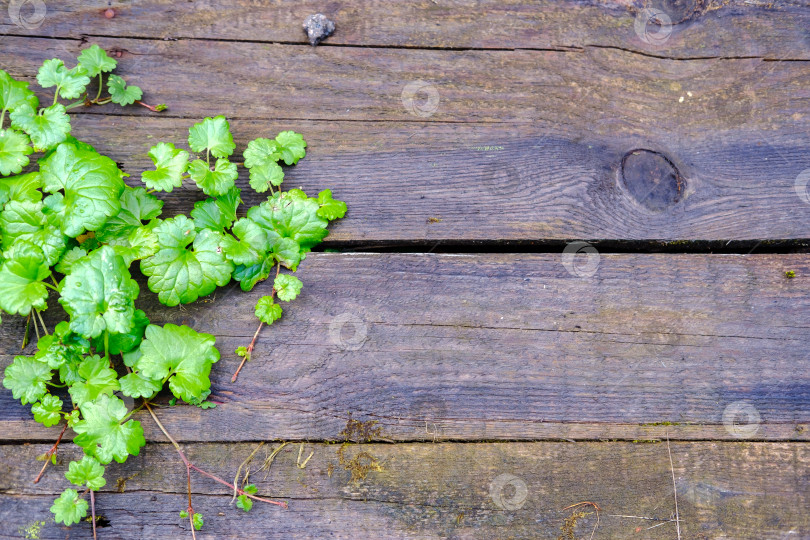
652, 179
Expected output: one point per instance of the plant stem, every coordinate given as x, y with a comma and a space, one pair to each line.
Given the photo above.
36, 328
27, 330
249, 352
150, 107
49, 286
49, 453
2, 118
100, 86
44, 328
190, 466
80, 103
93, 511
107, 345
55, 283
56, 95
190, 509
255, 336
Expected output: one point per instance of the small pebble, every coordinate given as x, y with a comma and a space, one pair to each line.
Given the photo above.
110, 13
318, 28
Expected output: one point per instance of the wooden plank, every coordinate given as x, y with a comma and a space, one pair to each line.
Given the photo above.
503, 346
722, 165
724, 490
728, 28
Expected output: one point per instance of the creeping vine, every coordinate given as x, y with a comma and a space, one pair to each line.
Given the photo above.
73, 226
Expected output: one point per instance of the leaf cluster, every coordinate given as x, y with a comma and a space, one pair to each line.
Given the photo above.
70, 225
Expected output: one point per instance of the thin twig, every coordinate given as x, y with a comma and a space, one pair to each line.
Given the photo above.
93, 512
674, 490
269, 460
239, 470
49, 453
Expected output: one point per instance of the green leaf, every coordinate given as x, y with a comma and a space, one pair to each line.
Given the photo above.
180, 354
217, 214
97, 379
69, 508
242, 351
251, 489
94, 60
136, 206
28, 221
99, 294
136, 385
121, 93
244, 502
249, 276
101, 434
87, 472
48, 412
183, 514
179, 275
46, 129
289, 215
287, 287
21, 278
261, 157
267, 311
260, 152
291, 146
288, 253
252, 245
92, 184
14, 150
170, 165
70, 257
213, 135
63, 348
140, 244
197, 520
21, 188
125, 342
330, 209
70, 83
214, 181
14, 93
26, 377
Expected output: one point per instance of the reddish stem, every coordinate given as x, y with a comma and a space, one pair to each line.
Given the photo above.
93, 512
241, 492
249, 351
150, 107
255, 336
49, 453
189, 467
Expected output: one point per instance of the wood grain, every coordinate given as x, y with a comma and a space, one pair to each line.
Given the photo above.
534, 154
698, 28
510, 346
725, 490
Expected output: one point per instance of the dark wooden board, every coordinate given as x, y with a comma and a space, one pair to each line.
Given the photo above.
540, 153
724, 490
510, 346
697, 28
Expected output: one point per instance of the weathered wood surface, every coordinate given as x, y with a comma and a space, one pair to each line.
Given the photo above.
537, 153
509, 346
724, 490
698, 28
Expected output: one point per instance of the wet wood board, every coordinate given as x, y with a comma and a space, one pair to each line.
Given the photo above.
458, 366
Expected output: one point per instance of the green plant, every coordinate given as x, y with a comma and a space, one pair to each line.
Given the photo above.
74, 227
